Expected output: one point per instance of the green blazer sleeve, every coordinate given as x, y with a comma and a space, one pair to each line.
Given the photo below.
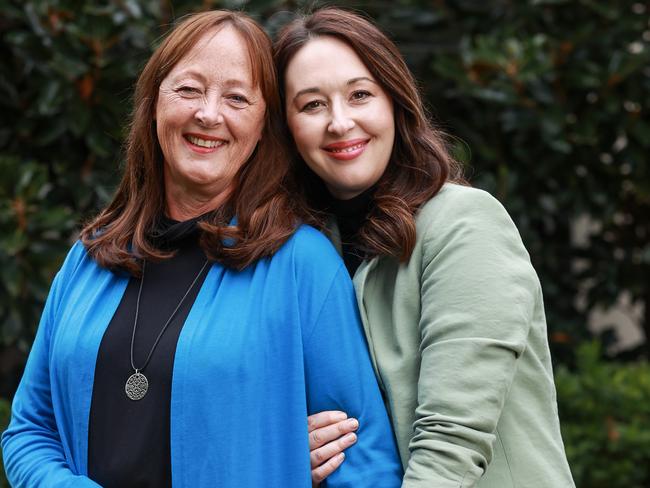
478, 292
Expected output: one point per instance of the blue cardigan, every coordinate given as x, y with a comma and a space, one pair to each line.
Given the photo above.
260, 350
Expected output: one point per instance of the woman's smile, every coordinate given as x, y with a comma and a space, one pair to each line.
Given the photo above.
204, 144
346, 150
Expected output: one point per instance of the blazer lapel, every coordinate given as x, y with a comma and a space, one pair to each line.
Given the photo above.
361, 279
361, 282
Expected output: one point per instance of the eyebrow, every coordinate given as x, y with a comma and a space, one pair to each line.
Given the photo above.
315, 89
189, 73
235, 83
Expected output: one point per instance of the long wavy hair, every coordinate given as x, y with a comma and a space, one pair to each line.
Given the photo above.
420, 162
263, 201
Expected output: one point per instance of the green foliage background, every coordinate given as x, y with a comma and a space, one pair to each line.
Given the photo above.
547, 101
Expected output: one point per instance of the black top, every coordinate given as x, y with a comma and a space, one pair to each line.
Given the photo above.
129, 441
350, 216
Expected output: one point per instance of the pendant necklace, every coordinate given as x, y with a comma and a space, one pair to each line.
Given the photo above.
137, 385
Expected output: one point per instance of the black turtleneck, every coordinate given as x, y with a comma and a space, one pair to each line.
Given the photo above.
129, 441
350, 216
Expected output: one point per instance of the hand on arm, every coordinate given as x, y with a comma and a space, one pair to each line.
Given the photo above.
330, 433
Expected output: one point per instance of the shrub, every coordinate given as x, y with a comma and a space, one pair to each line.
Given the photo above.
66, 74
605, 413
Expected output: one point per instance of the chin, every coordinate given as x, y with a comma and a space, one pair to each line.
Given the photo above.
204, 177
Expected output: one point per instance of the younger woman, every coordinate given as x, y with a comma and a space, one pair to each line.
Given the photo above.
451, 306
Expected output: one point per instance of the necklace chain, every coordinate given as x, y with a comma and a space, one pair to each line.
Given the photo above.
137, 385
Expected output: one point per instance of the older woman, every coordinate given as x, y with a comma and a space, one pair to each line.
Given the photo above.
195, 325
451, 305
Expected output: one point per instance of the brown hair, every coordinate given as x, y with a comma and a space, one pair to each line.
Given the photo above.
266, 214
420, 162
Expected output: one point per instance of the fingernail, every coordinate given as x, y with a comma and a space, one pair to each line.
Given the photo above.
350, 438
353, 423
340, 416
340, 456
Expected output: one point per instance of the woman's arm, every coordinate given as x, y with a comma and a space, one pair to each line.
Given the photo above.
478, 292
32, 450
340, 376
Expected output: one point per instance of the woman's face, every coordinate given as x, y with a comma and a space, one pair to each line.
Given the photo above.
340, 117
209, 118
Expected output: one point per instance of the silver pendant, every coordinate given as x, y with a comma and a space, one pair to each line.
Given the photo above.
136, 386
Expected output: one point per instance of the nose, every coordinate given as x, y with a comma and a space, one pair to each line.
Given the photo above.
341, 122
209, 113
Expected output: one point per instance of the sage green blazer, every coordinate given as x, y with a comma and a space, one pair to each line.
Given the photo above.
459, 344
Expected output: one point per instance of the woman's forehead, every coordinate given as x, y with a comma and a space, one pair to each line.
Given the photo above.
221, 54
325, 60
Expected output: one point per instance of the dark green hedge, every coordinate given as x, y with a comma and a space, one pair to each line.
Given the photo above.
605, 412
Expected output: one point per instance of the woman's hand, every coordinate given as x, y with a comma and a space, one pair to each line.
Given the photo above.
330, 433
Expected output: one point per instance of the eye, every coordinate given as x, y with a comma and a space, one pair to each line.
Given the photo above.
187, 90
360, 95
311, 106
237, 99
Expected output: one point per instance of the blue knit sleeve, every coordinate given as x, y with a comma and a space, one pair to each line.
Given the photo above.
31, 446
340, 376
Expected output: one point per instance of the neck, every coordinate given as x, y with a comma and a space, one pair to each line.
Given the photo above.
182, 206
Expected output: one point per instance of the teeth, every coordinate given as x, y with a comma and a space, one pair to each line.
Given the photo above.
348, 149
203, 142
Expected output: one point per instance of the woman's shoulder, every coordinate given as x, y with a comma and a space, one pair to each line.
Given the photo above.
465, 214
457, 205
77, 264
455, 199
310, 246
74, 272
75, 257
79, 267
314, 265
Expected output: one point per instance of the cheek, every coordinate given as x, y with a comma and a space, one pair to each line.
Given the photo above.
382, 126
171, 117
382, 119
303, 133
247, 126
165, 133
387, 129
387, 147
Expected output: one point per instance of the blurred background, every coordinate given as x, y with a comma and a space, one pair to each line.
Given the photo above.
547, 103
